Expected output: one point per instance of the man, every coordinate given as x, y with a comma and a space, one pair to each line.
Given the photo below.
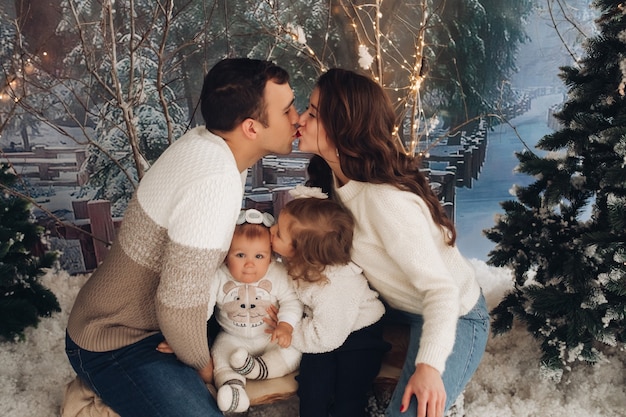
154, 283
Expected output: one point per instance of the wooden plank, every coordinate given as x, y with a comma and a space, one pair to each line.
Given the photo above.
80, 209
86, 242
101, 227
65, 162
280, 197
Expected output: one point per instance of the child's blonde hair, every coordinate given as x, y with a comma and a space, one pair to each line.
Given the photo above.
321, 231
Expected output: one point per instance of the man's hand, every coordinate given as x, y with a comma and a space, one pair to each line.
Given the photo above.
164, 347
206, 373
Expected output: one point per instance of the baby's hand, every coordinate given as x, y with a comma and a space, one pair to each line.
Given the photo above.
282, 334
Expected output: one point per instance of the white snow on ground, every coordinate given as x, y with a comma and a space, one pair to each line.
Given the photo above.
508, 382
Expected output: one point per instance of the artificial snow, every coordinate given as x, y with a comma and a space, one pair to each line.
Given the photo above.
508, 382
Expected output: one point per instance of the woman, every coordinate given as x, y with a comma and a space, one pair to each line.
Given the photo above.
403, 240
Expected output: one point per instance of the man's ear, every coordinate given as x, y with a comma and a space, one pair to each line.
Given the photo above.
249, 129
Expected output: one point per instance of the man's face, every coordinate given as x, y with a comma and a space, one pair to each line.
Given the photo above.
282, 117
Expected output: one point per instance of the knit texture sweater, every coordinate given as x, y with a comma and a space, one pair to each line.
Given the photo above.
175, 234
334, 309
405, 258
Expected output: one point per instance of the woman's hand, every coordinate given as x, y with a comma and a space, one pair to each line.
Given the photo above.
427, 386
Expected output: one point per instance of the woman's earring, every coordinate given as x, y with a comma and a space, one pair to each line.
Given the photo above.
337, 152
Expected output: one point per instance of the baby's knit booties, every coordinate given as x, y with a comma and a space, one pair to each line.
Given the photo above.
245, 364
232, 397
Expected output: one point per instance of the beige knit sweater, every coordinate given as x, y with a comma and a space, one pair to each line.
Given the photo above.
175, 234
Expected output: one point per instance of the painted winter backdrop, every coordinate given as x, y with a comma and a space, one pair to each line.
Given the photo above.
555, 250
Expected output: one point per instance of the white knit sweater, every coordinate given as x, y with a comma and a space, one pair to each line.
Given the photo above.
335, 309
406, 259
175, 234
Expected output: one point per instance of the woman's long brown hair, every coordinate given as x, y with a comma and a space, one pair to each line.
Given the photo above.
359, 120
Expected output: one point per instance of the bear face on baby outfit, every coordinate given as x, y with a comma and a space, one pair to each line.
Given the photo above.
246, 304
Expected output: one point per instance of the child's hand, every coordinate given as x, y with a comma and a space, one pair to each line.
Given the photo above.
280, 331
282, 334
271, 319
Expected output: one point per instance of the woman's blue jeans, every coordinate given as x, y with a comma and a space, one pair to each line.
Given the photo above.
138, 381
472, 332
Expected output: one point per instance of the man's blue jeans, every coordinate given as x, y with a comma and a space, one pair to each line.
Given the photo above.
138, 381
472, 331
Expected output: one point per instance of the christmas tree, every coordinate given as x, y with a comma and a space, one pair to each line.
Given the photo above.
565, 237
23, 299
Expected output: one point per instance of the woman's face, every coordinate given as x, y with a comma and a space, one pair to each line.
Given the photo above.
313, 136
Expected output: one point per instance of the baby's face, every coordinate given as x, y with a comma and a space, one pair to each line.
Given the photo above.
281, 239
248, 259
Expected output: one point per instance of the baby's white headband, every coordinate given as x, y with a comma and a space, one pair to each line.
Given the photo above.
254, 216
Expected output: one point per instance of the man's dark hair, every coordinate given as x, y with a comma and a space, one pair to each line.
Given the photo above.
233, 91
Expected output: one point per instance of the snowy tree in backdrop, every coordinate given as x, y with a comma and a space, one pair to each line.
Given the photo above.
20, 95
128, 83
133, 71
565, 238
7, 45
23, 300
109, 176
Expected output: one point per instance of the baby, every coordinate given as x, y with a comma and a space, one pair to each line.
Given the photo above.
248, 283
